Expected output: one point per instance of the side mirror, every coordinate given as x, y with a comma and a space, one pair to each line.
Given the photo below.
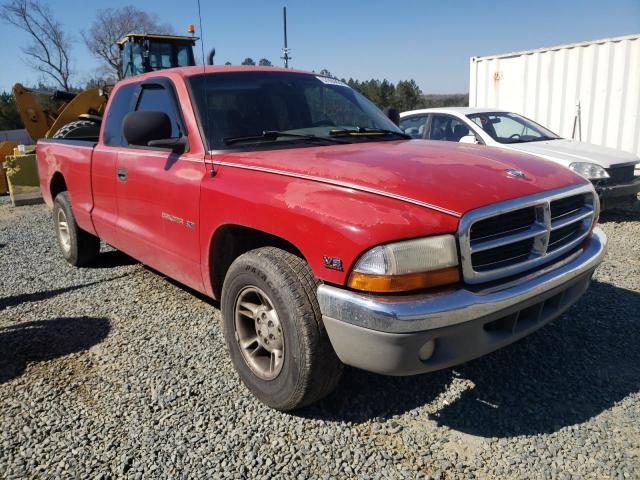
392, 114
151, 129
468, 139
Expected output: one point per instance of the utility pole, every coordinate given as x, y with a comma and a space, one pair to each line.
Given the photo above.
285, 50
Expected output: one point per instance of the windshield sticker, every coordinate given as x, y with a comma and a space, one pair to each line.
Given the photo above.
332, 81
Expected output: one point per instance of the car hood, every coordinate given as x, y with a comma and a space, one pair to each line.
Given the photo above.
449, 177
566, 151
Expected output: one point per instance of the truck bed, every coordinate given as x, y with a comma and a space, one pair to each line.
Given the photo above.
72, 158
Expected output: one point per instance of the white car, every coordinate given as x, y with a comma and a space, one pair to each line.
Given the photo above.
615, 174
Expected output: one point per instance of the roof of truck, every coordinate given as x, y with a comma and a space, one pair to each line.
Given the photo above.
200, 69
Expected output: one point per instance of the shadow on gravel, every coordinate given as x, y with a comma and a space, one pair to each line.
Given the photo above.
619, 216
14, 300
564, 374
111, 259
46, 339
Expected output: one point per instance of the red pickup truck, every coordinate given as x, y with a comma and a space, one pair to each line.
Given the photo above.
328, 236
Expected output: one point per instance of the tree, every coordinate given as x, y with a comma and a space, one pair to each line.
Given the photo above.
265, 63
98, 82
248, 61
326, 73
9, 117
387, 94
48, 50
450, 100
110, 25
227, 63
406, 95
409, 95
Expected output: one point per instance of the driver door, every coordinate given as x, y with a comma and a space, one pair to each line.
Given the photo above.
158, 195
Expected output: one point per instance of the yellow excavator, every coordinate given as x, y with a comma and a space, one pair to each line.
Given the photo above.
80, 114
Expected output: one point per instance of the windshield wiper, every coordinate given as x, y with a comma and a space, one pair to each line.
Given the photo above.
542, 138
271, 135
364, 131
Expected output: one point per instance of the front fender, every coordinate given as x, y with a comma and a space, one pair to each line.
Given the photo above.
319, 219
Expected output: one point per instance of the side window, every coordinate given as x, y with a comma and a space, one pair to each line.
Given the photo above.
156, 98
447, 128
159, 55
413, 125
120, 106
183, 55
137, 61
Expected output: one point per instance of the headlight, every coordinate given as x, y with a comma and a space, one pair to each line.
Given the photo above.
408, 265
590, 171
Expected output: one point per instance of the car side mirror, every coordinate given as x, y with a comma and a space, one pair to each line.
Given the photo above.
151, 129
468, 139
392, 114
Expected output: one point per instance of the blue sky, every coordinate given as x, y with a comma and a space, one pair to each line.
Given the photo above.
430, 41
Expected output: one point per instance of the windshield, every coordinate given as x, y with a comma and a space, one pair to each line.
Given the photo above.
235, 110
506, 127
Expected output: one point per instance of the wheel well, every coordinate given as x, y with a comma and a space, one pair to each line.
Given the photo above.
231, 241
58, 185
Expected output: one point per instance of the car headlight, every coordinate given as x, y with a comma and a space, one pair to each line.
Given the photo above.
407, 265
590, 171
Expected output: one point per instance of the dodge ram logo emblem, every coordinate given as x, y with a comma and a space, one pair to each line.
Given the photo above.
515, 173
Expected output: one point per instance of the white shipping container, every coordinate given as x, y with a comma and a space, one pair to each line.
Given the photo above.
547, 85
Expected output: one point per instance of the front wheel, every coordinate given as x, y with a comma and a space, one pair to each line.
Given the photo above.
274, 332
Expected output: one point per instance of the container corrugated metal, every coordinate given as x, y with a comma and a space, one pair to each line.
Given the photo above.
547, 84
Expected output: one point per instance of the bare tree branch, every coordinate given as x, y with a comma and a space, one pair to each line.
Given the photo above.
48, 51
110, 25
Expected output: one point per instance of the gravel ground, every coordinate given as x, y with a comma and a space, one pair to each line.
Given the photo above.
116, 371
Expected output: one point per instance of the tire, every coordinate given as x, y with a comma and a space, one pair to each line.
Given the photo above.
78, 247
79, 129
309, 368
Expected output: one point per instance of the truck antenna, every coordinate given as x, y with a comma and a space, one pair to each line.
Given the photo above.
204, 86
204, 63
285, 50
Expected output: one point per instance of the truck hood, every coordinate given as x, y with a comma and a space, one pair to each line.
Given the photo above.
566, 151
450, 177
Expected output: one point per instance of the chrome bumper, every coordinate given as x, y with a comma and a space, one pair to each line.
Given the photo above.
390, 335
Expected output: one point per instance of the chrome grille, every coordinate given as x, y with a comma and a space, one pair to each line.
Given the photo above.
511, 237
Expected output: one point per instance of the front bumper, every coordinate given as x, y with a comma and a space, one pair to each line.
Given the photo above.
612, 195
406, 335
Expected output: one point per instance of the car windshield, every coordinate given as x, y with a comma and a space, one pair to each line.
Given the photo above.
507, 127
281, 109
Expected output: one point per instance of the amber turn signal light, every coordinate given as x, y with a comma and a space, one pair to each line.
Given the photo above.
403, 283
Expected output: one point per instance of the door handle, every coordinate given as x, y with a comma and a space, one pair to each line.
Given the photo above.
122, 174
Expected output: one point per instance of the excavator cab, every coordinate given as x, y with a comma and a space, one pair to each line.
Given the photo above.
142, 53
